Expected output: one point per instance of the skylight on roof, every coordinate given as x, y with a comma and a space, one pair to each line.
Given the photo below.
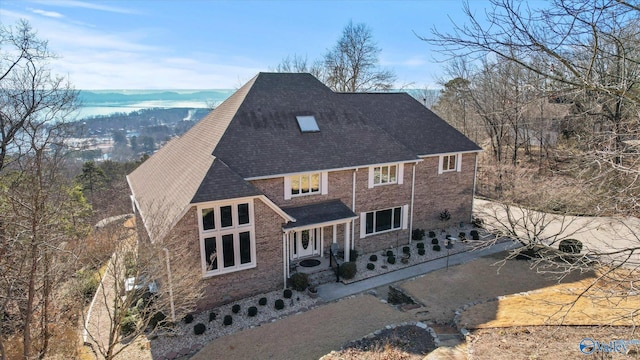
307, 123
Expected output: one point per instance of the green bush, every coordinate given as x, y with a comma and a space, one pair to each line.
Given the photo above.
235, 308
406, 250
228, 320
287, 293
462, 236
417, 234
371, 266
199, 329
373, 258
474, 234
391, 259
570, 246
436, 247
188, 319
212, 316
262, 301
353, 255
279, 304
128, 325
348, 270
299, 281
434, 241
252, 311
389, 253
432, 234
89, 283
421, 251
420, 245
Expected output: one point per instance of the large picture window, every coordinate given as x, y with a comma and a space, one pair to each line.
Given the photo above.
227, 239
383, 220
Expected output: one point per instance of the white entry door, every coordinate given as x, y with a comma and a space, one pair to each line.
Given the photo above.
305, 243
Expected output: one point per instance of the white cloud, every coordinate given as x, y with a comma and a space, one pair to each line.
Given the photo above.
51, 14
85, 5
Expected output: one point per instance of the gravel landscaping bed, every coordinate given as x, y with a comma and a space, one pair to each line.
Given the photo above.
180, 341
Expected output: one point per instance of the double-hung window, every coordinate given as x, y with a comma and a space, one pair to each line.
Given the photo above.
305, 184
227, 240
380, 221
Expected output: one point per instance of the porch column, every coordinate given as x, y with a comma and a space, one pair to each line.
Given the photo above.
335, 233
285, 258
347, 246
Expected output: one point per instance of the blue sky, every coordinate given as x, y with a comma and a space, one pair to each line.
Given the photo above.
200, 44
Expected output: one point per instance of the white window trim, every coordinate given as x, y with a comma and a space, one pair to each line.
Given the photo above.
458, 167
218, 232
323, 190
399, 175
404, 221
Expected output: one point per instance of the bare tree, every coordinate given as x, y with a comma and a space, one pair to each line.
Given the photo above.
146, 286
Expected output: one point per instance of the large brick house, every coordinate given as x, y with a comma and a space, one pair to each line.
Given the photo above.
285, 167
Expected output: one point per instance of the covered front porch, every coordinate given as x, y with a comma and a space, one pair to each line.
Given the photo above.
309, 237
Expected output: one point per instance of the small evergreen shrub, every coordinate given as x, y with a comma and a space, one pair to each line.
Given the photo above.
212, 316
373, 258
235, 308
371, 266
417, 234
432, 234
353, 255
262, 301
406, 250
228, 320
287, 293
462, 236
420, 245
436, 247
434, 241
252, 311
389, 253
156, 319
199, 329
348, 270
421, 251
445, 215
128, 325
279, 304
570, 246
391, 259
299, 281
188, 319
474, 234
477, 222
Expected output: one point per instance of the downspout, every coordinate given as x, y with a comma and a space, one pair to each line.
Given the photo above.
475, 175
285, 258
353, 208
413, 188
173, 308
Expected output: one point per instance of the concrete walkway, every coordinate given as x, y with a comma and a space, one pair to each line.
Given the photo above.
337, 290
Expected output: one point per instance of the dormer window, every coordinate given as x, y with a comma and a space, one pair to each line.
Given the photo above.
307, 124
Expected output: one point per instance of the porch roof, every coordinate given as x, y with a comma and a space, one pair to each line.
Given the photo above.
332, 211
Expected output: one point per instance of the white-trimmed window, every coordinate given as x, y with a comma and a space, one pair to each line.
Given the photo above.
386, 174
305, 184
451, 162
380, 221
227, 239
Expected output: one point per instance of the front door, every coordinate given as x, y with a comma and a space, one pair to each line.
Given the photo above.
305, 243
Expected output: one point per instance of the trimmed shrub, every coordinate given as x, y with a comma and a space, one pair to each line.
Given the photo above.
228, 320
299, 281
445, 215
436, 247
570, 246
432, 234
287, 293
417, 234
199, 329
212, 316
373, 257
421, 251
389, 253
406, 250
474, 234
156, 319
188, 319
348, 270
391, 259
462, 236
420, 245
235, 308
477, 222
353, 255
371, 266
262, 301
279, 304
527, 254
252, 311
434, 241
